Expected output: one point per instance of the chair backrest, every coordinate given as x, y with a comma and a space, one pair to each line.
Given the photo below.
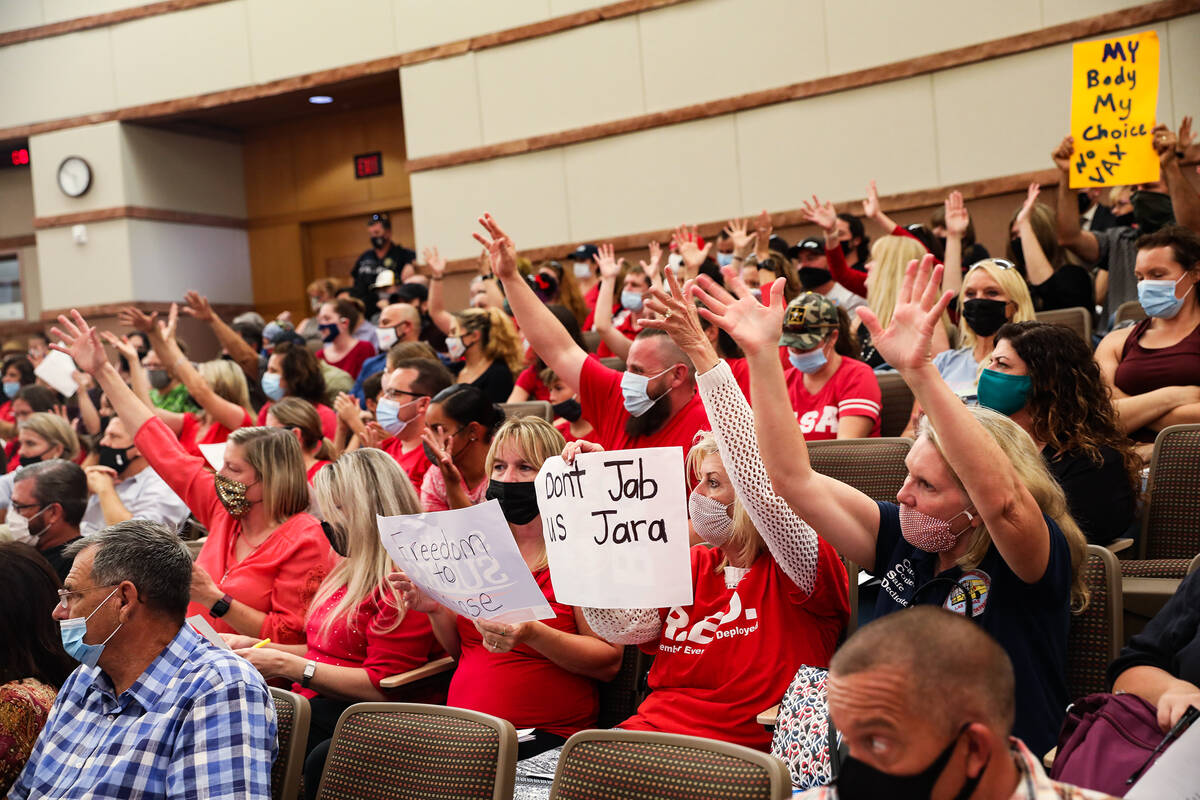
292, 715
407, 751
599, 765
873, 466
620, 697
1096, 633
896, 401
1078, 319
614, 362
591, 341
1169, 524
1129, 311
529, 408
1195, 565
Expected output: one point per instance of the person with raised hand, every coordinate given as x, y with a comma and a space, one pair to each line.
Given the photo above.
653, 403
615, 340
1033, 247
980, 526
825, 217
743, 239
198, 308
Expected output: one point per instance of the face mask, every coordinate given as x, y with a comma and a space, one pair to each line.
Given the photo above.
73, 630
1002, 392
582, 269
386, 337
1158, 297
455, 347
845, 247
314, 303
272, 386
378, 242
568, 409
929, 533
1152, 210
329, 332
1124, 220
11, 388
18, 528
810, 362
232, 495
724, 259
115, 458
1018, 252
813, 277
158, 378
25, 461
633, 388
710, 518
985, 316
518, 501
857, 780
387, 414
631, 301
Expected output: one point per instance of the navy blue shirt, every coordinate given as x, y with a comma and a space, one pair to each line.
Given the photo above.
1029, 620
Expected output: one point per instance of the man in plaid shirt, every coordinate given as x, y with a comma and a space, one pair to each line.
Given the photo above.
154, 710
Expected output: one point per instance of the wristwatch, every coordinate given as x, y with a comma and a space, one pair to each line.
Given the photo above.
220, 607
310, 669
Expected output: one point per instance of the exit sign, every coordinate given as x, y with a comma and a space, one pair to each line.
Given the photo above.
368, 165
14, 157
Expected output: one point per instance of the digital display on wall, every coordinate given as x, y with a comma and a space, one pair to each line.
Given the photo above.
368, 165
15, 157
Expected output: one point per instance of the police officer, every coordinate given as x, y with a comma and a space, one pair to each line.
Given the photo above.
383, 254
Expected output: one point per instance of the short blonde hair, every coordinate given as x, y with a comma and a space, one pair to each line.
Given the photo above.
537, 440
744, 541
500, 340
1011, 282
227, 380
55, 430
274, 454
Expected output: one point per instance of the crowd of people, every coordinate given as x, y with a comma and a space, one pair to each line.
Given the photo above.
1028, 443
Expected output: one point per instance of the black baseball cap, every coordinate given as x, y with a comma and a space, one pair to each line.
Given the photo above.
812, 245
585, 252
407, 292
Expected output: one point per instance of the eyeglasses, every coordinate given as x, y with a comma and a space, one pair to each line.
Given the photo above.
22, 506
65, 595
394, 394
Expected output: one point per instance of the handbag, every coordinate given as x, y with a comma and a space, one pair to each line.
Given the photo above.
1105, 740
802, 730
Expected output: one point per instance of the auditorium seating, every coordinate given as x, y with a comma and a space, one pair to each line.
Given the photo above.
1096, 633
1078, 319
292, 715
529, 408
895, 404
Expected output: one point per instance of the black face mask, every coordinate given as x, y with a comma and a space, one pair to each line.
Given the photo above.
115, 458
518, 501
814, 277
378, 242
985, 316
25, 461
856, 779
1125, 220
569, 409
1152, 210
1018, 253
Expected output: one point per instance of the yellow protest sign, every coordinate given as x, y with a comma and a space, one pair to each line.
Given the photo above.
1114, 97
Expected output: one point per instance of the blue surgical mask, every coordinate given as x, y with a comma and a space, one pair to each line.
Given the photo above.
1002, 392
272, 387
73, 630
633, 387
387, 414
1158, 297
11, 388
724, 259
809, 362
631, 301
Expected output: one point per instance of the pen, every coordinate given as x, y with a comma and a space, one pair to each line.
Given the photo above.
260, 644
1185, 721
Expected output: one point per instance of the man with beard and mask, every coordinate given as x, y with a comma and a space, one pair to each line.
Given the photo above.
813, 268
1156, 204
123, 486
654, 403
384, 254
47, 503
916, 724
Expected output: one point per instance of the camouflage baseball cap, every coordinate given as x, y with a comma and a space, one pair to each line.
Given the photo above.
808, 320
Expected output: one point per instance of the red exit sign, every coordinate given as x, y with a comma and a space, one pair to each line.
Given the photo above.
15, 157
368, 165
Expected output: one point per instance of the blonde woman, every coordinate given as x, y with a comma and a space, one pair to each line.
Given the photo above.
357, 629
981, 526
542, 674
299, 417
41, 437
885, 272
485, 343
1053, 281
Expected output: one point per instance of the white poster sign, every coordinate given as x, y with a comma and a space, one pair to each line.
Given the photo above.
468, 560
214, 454
58, 370
616, 528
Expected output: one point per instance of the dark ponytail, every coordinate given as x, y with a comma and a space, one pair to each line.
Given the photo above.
465, 404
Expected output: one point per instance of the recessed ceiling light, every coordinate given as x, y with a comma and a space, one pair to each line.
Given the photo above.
320, 99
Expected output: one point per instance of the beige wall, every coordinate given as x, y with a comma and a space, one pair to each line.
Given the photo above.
16, 202
16, 14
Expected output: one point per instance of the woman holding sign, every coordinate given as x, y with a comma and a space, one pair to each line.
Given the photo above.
541, 674
981, 526
769, 596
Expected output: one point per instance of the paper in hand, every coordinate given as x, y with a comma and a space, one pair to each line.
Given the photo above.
58, 370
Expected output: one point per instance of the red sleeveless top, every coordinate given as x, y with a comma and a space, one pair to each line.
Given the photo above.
1145, 369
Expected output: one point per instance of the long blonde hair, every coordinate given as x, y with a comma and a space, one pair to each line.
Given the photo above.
499, 338
744, 541
1032, 471
891, 255
228, 381
536, 440
1011, 282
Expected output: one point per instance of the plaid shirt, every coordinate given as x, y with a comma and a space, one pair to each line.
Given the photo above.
1033, 784
198, 723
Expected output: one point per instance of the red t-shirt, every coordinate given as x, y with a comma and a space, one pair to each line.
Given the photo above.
853, 391
190, 436
531, 383
603, 406
522, 685
352, 362
853, 279
741, 373
359, 642
564, 427
625, 327
6, 413
590, 298
315, 468
732, 653
414, 463
279, 577
328, 419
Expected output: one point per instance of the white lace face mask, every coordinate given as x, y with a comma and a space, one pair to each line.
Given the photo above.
710, 518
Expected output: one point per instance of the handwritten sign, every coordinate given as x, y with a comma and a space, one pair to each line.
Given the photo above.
616, 528
468, 561
1114, 97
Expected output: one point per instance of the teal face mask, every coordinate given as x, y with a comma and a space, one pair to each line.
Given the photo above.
1002, 392
73, 630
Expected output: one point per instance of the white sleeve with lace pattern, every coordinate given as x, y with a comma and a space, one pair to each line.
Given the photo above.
624, 625
791, 540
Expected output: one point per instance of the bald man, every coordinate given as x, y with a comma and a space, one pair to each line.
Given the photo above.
399, 322
924, 702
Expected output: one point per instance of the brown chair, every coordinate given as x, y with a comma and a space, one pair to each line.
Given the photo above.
407, 751
1096, 633
874, 466
292, 716
1170, 536
896, 403
614, 362
620, 697
434, 670
601, 765
1195, 565
1078, 319
529, 408
1130, 311
591, 341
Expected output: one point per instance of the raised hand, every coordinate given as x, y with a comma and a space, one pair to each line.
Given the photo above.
373, 435
502, 254
687, 245
439, 445
166, 330
198, 307
652, 267
346, 408
677, 316
1062, 154
738, 231
871, 204
1023, 216
607, 262
1165, 144
756, 327
957, 217
80, 341
437, 264
1185, 137
138, 320
907, 342
823, 215
122, 346
762, 227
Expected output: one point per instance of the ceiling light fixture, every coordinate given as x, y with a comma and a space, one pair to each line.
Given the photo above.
320, 99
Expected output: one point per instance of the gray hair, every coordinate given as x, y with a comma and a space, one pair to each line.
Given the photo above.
149, 555
58, 481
